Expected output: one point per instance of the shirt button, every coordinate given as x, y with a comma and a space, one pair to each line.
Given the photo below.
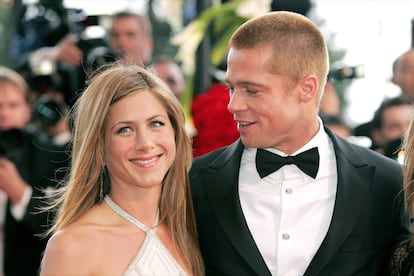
289, 191
285, 236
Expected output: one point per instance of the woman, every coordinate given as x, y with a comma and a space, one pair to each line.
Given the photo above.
402, 261
126, 209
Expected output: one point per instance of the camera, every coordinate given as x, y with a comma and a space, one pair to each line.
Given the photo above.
347, 72
11, 144
92, 40
51, 22
47, 112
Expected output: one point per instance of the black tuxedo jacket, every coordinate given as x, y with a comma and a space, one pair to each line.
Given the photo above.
367, 218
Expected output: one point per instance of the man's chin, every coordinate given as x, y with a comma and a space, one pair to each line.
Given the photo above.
249, 142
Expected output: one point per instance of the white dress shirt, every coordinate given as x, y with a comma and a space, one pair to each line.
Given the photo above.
289, 212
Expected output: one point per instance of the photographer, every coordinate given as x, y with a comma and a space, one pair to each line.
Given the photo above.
28, 167
43, 48
131, 35
50, 49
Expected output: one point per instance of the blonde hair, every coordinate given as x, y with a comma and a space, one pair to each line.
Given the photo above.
90, 112
298, 47
408, 148
9, 76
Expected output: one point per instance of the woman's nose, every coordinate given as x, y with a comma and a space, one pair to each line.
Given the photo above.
144, 141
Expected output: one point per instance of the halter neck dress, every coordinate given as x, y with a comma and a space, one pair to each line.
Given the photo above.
153, 258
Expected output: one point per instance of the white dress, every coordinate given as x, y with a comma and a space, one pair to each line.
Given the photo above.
153, 258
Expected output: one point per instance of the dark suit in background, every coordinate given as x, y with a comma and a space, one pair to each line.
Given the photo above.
41, 166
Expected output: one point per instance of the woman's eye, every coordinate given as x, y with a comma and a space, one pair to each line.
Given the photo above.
124, 130
157, 124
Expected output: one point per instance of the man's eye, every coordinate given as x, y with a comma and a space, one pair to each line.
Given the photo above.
250, 91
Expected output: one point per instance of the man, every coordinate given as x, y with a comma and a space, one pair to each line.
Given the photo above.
171, 72
403, 73
44, 51
131, 35
27, 168
15, 111
403, 77
337, 217
390, 122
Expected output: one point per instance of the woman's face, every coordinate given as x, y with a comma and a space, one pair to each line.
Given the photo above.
139, 142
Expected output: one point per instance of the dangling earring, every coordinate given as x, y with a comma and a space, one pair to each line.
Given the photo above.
101, 186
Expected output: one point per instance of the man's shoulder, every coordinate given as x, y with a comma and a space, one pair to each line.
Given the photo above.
208, 157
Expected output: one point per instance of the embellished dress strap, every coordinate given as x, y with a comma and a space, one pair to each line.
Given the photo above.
128, 217
153, 258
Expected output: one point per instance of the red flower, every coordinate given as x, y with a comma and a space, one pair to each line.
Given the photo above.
214, 123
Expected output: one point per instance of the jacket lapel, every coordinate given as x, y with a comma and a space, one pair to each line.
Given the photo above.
353, 175
221, 178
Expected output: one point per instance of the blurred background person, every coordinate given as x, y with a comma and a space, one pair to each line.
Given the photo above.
15, 110
330, 103
337, 124
14, 113
171, 72
27, 166
403, 73
390, 122
50, 120
403, 77
45, 49
331, 115
131, 35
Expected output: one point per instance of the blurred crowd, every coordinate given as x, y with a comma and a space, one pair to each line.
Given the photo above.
50, 68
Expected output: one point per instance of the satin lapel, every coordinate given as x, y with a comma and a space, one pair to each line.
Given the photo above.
221, 180
353, 187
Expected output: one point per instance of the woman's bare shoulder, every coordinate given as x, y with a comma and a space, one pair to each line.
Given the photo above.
76, 249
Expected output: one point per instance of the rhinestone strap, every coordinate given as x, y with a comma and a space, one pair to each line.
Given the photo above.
128, 217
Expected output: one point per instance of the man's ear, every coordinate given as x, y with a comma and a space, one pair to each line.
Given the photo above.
309, 88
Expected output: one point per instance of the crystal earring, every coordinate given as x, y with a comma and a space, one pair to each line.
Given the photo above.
101, 186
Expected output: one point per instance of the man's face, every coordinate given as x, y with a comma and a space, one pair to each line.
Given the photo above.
268, 112
404, 74
14, 110
171, 73
128, 37
395, 122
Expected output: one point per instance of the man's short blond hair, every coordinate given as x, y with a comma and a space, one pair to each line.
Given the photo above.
297, 45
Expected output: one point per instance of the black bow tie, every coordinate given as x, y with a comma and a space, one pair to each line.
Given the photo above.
307, 161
